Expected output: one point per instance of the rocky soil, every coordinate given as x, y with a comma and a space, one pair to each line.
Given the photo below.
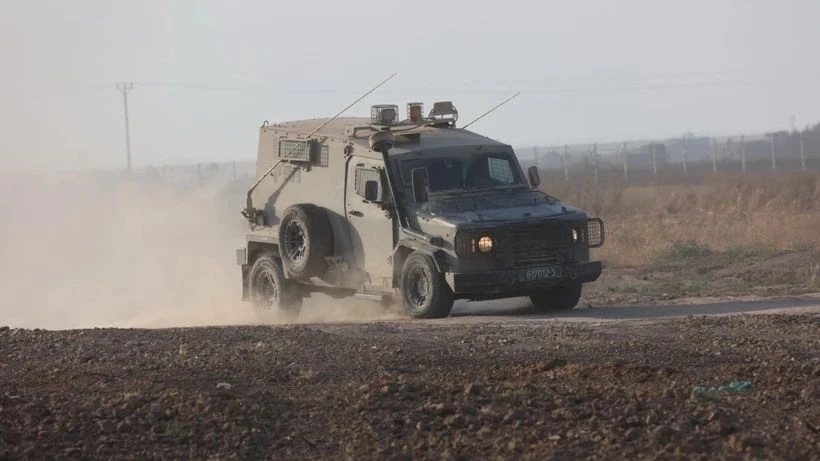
489, 389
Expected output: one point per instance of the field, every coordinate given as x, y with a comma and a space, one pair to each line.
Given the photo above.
730, 235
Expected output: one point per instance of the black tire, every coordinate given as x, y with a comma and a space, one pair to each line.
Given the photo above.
561, 298
305, 240
272, 296
424, 292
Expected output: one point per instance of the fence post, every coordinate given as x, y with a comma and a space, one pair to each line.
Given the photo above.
566, 166
595, 164
626, 168
743, 153
774, 162
714, 155
802, 152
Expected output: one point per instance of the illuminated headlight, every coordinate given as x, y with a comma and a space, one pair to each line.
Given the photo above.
574, 235
485, 244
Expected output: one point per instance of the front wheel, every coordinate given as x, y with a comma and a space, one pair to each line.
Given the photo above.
424, 292
561, 298
272, 296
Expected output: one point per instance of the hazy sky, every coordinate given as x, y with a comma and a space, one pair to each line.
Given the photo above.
206, 74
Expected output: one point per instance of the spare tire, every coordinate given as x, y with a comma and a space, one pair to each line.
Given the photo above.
305, 240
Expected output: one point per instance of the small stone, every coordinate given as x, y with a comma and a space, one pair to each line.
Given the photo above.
554, 438
106, 426
663, 433
124, 427
472, 389
456, 421
443, 409
513, 415
753, 441
387, 389
468, 409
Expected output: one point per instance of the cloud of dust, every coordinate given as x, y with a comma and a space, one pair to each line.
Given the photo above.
92, 250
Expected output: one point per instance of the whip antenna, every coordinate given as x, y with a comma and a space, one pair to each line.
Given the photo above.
494, 108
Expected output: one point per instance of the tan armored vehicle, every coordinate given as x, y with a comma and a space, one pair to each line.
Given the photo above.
416, 210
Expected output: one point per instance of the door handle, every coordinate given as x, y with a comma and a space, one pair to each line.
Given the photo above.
356, 213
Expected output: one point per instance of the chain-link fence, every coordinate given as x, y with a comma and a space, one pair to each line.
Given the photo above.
686, 159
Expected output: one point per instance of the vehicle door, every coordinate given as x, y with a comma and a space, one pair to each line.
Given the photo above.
371, 227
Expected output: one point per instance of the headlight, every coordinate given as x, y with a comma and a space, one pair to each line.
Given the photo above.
574, 235
485, 244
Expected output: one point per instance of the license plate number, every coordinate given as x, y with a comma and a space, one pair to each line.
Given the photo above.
541, 273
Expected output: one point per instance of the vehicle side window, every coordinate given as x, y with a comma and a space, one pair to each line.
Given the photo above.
500, 170
368, 174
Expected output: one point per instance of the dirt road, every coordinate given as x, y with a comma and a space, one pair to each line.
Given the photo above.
491, 382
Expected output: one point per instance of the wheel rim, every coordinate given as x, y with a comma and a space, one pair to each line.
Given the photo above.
266, 291
417, 288
295, 241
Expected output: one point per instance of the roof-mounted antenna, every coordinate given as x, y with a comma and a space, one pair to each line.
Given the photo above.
494, 108
249, 211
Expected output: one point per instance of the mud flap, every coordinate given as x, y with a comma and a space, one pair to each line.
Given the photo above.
450, 279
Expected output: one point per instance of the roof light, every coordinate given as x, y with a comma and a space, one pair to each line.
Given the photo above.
415, 111
384, 114
444, 111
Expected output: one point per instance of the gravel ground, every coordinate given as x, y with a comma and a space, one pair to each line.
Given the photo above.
491, 389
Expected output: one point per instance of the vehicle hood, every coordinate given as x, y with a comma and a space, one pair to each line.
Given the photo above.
493, 207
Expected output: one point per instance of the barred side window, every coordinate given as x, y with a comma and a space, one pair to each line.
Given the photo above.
319, 154
368, 174
293, 149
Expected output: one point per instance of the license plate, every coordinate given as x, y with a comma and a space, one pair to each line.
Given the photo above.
541, 273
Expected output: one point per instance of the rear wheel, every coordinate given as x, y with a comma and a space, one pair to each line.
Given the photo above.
561, 298
424, 292
272, 296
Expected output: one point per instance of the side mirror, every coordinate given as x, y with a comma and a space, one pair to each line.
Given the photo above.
420, 184
535, 178
371, 191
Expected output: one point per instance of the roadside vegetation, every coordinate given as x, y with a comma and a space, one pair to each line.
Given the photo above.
723, 236
735, 215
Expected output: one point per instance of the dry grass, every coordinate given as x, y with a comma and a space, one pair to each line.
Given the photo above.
728, 213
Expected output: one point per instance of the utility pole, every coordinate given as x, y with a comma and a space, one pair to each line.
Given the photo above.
654, 159
743, 153
124, 89
774, 161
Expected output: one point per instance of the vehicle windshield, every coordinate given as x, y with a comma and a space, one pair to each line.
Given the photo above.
465, 172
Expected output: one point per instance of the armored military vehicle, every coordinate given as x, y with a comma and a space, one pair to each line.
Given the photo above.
414, 210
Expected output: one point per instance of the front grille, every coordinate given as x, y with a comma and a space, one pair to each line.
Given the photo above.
539, 244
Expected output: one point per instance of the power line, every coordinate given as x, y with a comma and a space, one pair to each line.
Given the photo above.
536, 90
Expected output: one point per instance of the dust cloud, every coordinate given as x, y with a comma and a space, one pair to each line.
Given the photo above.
103, 250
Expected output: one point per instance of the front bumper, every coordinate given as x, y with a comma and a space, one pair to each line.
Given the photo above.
513, 281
